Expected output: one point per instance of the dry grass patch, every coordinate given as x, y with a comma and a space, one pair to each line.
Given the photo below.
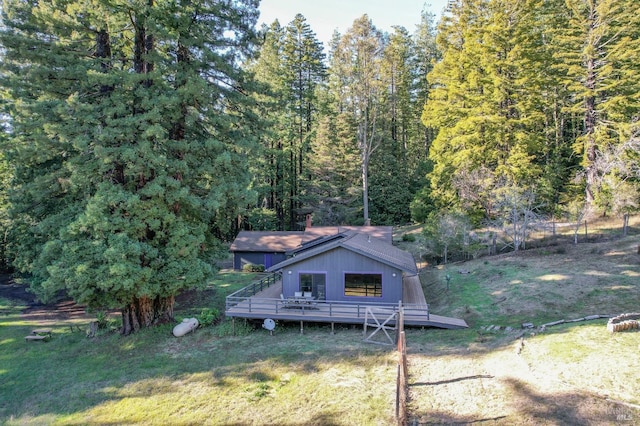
576, 374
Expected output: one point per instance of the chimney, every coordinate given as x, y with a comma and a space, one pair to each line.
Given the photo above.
308, 225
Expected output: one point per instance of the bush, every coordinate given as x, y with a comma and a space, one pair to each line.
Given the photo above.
250, 267
208, 316
410, 238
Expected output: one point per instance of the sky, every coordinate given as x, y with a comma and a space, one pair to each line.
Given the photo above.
325, 16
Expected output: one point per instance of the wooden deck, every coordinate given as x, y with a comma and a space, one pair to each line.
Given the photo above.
268, 304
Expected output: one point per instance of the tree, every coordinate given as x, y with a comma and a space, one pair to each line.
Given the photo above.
599, 57
129, 136
303, 63
5, 178
477, 101
516, 213
333, 188
447, 233
391, 192
290, 67
356, 70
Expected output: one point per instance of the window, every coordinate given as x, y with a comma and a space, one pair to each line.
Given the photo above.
314, 284
363, 285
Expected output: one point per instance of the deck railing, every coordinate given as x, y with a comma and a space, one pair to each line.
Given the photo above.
256, 286
323, 308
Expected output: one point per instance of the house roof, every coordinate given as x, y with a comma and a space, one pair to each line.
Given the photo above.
384, 233
362, 244
285, 241
280, 241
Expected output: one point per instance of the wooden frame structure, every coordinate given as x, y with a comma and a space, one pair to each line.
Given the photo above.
262, 300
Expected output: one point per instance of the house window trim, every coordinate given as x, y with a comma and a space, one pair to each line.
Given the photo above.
344, 284
303, 272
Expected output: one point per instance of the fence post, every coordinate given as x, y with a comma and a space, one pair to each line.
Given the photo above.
586, 235
625, 224
401, 382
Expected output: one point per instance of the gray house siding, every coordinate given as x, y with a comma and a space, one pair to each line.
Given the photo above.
256, 258
335, 264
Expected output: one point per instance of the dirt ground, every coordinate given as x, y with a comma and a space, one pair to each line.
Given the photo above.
36, 311
65, 310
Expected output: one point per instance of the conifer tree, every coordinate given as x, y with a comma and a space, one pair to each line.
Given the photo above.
356, 70
291, 68
129, 135
599, 53
479, 107
333, 191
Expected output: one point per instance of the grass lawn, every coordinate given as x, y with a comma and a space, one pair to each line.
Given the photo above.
154, 378
574, 373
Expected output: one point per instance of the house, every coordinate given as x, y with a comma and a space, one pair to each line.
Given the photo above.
271, 247
333, 275
347, 267
263, 248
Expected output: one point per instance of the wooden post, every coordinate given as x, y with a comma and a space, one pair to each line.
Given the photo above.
332, 328
586, 235
493, 243
301, 327
366, 321
233, 326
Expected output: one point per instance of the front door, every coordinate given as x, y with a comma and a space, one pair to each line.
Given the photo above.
314, 283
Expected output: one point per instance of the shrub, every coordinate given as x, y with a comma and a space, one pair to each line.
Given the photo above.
250, 267
208, 316
102, 319
410, 238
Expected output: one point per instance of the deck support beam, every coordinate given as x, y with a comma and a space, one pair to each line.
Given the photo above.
301, 327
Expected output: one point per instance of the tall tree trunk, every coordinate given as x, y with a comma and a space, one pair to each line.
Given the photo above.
365, 191
590, 112
145, 312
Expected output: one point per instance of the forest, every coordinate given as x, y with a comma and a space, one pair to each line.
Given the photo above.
138, 137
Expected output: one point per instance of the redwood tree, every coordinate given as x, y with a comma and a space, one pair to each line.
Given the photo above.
129, 135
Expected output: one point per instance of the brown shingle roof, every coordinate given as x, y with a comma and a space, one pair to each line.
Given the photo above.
284, 241
277, 242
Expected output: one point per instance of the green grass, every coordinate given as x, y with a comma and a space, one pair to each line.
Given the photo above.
154, 378
572, 373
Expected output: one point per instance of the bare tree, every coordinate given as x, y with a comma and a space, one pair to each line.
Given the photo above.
616, 166
516, 213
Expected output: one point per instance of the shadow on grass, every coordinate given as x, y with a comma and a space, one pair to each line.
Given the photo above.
104, 371
528, 406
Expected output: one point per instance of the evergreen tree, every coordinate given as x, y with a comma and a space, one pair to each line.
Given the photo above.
426, 55
490, 131
599, 58
391, 191
356, 70
305, 71
129, 135
333, 190
291, 68
269, 168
